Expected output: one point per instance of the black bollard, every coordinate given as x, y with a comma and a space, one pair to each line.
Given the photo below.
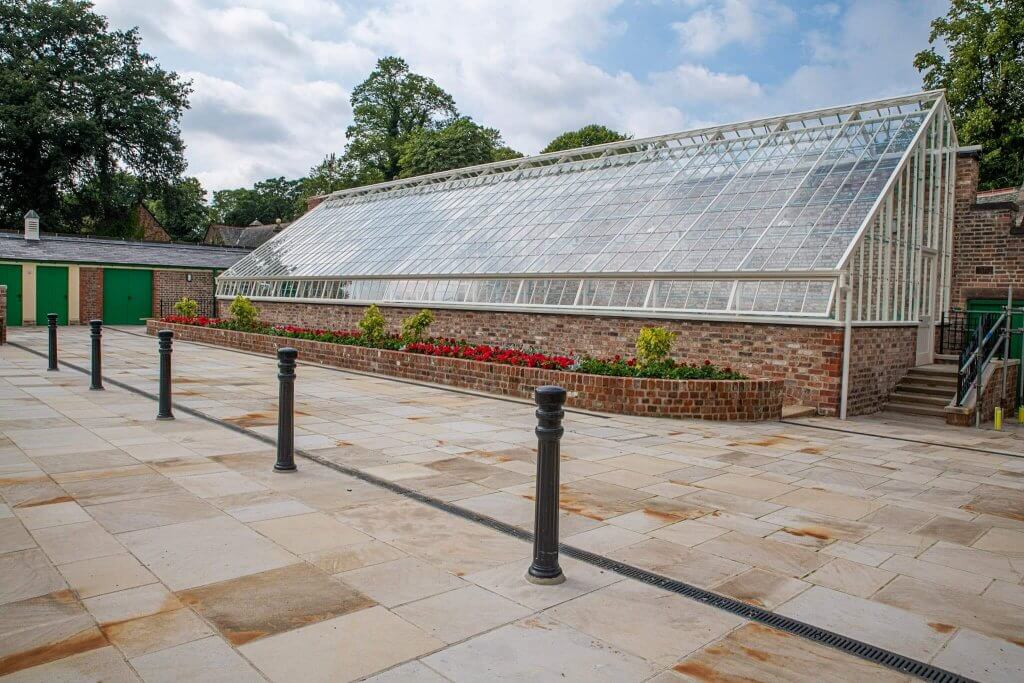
51, 322
164, 409
286, 410
95, 334
545, 569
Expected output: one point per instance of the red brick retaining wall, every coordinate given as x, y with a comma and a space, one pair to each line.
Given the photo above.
807, 358
991, 396
879, 358
757, 399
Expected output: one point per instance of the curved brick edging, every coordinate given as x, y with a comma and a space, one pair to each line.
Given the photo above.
749, 400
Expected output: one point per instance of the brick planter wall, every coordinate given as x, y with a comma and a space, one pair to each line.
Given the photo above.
750, 400
807, 358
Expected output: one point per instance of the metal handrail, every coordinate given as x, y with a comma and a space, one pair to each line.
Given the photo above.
984, 341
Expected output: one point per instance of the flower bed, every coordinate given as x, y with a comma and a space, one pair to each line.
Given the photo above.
619, 388
617, 366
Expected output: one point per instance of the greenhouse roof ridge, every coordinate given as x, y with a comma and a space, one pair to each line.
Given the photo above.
592, 151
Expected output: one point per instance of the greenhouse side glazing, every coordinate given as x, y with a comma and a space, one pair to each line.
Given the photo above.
835, 213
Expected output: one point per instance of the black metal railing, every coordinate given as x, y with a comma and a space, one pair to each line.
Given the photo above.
952, 332
981, 343
207, 307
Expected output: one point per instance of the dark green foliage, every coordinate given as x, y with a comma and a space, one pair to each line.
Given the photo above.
664, 369
460, 143
80, 106
266, 201
984, 81
181, 208
584, 137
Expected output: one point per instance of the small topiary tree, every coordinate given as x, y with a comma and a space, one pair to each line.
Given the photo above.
186, 307
653, 345
243, 311
373, 325
415, 326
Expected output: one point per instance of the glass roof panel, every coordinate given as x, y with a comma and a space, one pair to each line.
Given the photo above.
782, 194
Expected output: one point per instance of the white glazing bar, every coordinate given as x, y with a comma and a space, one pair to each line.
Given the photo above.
890, 228
895, 172
860, 281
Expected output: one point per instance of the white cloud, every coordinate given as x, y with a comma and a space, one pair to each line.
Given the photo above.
720, 23
272, 78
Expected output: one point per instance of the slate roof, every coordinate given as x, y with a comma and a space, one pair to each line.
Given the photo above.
67, 249
248, 236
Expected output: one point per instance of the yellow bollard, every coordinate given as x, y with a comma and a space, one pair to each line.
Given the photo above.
1020, 414
998, 419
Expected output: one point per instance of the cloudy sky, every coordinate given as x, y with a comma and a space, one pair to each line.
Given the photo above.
272, 77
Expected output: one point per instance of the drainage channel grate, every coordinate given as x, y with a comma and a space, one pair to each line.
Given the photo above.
871, 653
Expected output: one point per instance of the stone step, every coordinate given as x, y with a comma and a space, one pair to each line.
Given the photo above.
935, 370
947, 359
918, 399
933, 379
910, 409
911, 386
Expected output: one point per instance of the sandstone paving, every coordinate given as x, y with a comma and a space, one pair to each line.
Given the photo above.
161, 550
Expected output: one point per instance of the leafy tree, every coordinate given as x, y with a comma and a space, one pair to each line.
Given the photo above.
584, 137
265, 202
104, 208
984, 81
332, 174
461, 143
79, 106
181, 208
387, 107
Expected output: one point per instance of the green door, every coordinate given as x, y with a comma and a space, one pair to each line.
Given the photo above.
10, 275
996, 306
127, 296
51, 293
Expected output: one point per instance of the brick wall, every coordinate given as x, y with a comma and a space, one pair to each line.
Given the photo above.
90, 294
172, 285
988, 241
991, 396
748, 400
879, 358
149, 226
3, 314
808, 358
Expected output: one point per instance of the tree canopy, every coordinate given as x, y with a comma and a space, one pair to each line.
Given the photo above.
586, 136
461, 143
81, 106
391, 104
265, 201
984, 81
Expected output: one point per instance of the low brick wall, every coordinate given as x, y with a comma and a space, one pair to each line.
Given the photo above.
746, 400
807, 358
990, 396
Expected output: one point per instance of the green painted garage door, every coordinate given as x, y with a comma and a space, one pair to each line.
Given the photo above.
127, 296
10, 275
52, 293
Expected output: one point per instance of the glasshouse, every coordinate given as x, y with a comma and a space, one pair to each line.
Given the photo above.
814, 247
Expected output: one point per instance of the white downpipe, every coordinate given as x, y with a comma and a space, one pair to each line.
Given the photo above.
847, 334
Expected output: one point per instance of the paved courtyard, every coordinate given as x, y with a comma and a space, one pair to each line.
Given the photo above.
132, 549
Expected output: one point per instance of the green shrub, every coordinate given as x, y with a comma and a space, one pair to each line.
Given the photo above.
415, 326
373, 325
186, 307
653, 345
243, 312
